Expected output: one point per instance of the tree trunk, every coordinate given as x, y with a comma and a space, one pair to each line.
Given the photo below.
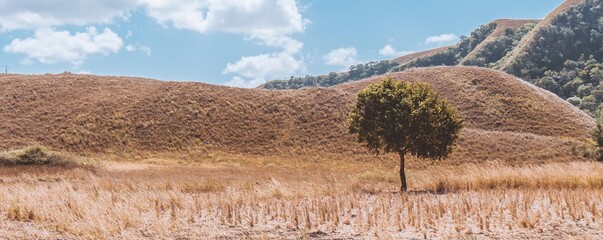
403, 187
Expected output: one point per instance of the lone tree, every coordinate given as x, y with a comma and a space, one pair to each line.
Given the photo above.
404, 118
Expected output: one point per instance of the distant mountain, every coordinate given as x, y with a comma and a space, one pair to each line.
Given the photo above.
444, 56
562, 53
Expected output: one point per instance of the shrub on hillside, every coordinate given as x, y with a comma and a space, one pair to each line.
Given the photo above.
41, 156
597, 136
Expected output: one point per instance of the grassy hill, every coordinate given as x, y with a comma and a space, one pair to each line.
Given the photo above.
505, 118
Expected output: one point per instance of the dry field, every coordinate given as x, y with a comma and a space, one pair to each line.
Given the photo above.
234, 196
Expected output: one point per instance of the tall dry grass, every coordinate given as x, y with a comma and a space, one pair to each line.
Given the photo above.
554, 200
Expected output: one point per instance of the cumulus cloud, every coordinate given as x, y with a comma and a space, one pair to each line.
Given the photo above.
50, 46
269, 21
389, 51
341, 57
258, 69
442, 39
35, 14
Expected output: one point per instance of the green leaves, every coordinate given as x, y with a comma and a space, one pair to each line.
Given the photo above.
404, 117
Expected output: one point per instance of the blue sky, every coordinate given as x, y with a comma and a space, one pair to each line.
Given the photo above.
234, 42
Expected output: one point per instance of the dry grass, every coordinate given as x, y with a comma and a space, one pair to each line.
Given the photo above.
272, 198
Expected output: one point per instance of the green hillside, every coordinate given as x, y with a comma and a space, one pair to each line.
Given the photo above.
566, 57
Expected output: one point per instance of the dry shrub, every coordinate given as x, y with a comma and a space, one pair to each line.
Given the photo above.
40, 156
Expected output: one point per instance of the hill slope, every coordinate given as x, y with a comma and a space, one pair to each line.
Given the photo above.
414, 56
495, 101
506, 119
507, 34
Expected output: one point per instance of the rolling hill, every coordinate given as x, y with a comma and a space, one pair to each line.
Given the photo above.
505, 118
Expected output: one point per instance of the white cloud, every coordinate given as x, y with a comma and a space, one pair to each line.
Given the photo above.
269, 21
242, 83
256, 70
137, 47
389, 51
35, 14
50, 46
441, 39
341, 57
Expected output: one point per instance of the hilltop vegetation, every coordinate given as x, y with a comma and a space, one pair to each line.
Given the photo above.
356, 72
